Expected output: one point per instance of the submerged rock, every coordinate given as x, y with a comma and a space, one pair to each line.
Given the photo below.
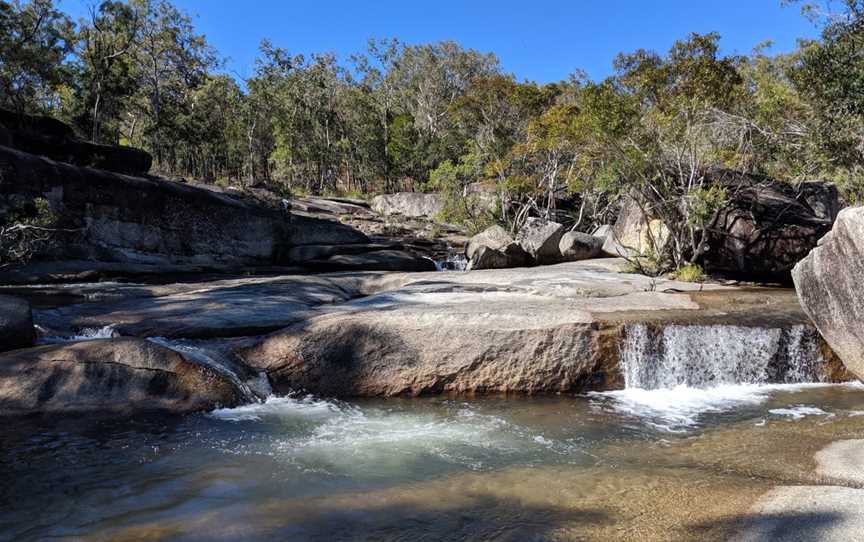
114, 375
16, 324
830, 284
137, 220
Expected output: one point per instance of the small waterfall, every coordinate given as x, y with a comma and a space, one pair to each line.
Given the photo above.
705, 356
254, 387
453, 262
85, 334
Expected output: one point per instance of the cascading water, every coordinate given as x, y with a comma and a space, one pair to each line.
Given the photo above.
85, 334
675, 374
253, 387
453, 262
705, 356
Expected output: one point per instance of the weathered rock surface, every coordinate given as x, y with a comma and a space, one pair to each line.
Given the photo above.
633, 234
543, 329
115, 375
220, 308
134, 220
494, 237
16, 324
768, 227
54, 139
381, 260
830, 284
512, 255
495, 248
575, 246
762, 231
508, 330
408, 204
540, 239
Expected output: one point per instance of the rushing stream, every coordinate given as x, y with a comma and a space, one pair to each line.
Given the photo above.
711, 418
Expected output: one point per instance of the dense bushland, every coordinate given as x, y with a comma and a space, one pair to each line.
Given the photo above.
442, 117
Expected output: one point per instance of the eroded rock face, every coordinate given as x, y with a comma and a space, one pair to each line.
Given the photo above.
117, 218
768, 227
830, 285
16, 324
507, 330
56, 140
540, 239
113, 375
414, 352
408, 204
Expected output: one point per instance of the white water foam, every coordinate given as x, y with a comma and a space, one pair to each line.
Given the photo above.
455, 262
680, 409
86, 334
337, 438
798, 412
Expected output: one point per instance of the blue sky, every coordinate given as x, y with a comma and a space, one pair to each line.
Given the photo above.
540, 40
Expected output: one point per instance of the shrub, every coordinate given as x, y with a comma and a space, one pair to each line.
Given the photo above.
690, 273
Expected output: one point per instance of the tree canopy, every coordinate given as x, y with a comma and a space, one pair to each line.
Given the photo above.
443, 117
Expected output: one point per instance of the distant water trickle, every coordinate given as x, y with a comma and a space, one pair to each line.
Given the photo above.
705, 356
454, 262
85, 334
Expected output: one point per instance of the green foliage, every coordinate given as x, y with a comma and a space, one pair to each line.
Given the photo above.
35, 39
440, 116
690, 273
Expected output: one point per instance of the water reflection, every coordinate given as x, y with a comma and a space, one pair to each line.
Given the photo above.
553, 468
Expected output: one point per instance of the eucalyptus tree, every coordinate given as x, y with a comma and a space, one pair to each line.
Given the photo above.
106, 49
829, 75
35, 40
171, 60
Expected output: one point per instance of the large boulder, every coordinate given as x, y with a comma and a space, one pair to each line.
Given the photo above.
575, 246
540, 239
830, 285
512, 255
16, 324
135, 220
563, 328
768, 226
762, 231
431, 349
409, 204
494, 237
495, 248
112, 375
635, 232
52, 138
